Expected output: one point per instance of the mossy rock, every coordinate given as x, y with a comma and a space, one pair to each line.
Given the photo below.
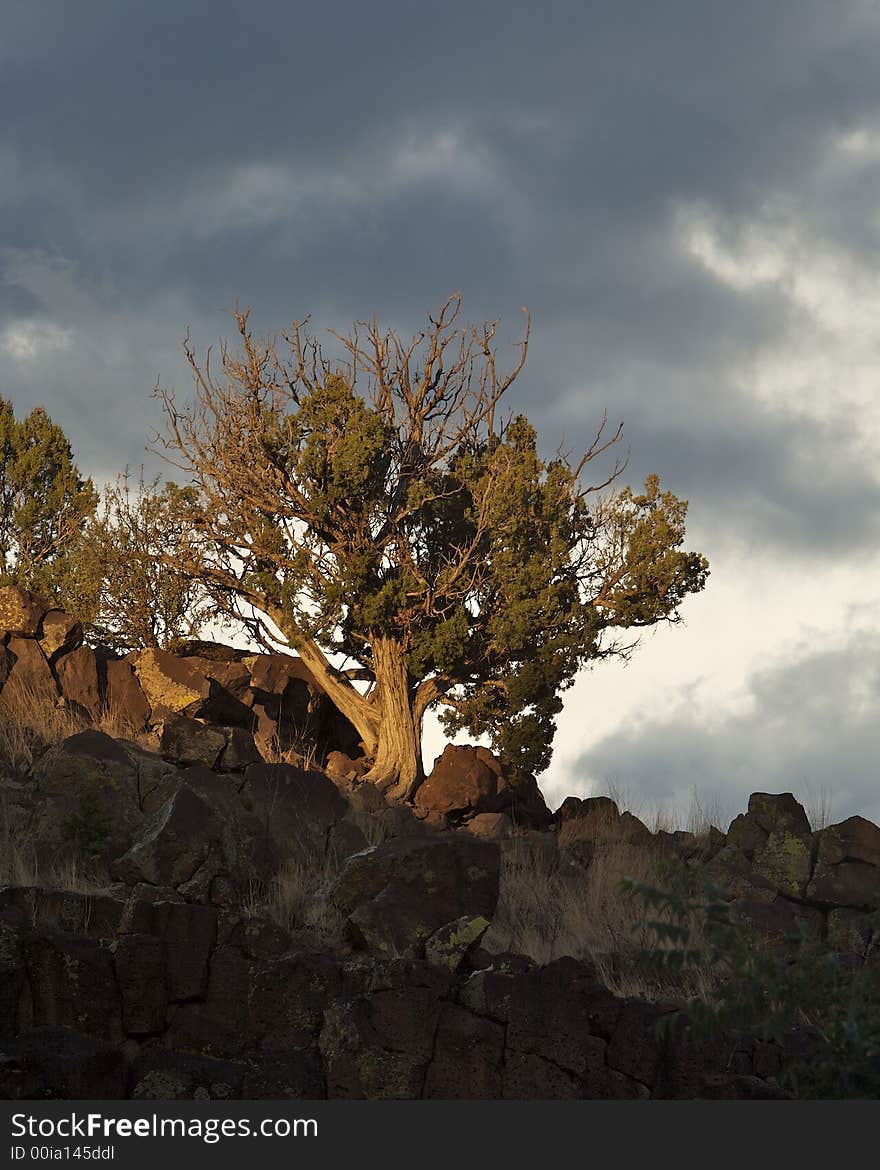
785, 861
449, 945
399, 894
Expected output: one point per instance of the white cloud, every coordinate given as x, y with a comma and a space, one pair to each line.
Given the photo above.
755, 615
829, 362
27, 341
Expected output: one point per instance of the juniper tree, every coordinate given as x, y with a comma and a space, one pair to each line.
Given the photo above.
44, 503
378, 507
117, 583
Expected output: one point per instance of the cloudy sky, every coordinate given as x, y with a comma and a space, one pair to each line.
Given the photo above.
687, 197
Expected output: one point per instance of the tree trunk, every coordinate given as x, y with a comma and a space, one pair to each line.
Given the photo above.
397, 769
342, 694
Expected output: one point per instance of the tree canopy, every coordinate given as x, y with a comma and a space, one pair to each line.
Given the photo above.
118, 585
44, 503
379, 510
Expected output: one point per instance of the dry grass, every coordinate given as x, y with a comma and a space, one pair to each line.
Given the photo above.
31, 722
704, 812
20, 865
819, 805
302, 754
552, 905
572, 901
374, 828
295, 898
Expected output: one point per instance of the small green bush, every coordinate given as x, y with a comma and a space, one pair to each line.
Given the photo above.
88, 827
821, 1008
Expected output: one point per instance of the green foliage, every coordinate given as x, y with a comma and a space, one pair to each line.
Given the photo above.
406, 514
819, 1007
88, 827
117, 582
44, 504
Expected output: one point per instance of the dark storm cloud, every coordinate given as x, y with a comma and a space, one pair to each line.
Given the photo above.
811, 729
160, 160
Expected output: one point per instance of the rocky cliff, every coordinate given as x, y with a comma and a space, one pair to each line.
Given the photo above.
188, 913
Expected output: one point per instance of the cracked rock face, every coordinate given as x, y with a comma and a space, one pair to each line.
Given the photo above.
168, 999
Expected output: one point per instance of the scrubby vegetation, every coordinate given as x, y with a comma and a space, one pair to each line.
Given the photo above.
818, 1005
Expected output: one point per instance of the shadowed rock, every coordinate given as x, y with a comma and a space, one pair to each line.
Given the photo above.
173, 844
124, 697
775, 836
77, 674
399, 894
30, 674
847, 872
187, 741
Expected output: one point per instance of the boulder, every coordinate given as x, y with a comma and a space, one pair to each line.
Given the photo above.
561, 1013
295, 1075
170, 684
468, 1058
77, 674
448, 946
219, 1025
21, 612
467, 781
737, 877
696, 847
188, 741
347, 771
273, 673
240, 751
221, 705
124, 698
854, 839
288, 997
59, 634
488, 991
854, 934
781, 918
379, 1046
397, 895
210, 651
73, 985
173, 844
775, 836
848, 884
847, 870
188, 935
292, 711
299, 810
52, 1062
528, 1077
595, 813
598, 819
30, 677
159, 1075
140, 974
568, 1036
490, 826
87, 790
634, 1048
